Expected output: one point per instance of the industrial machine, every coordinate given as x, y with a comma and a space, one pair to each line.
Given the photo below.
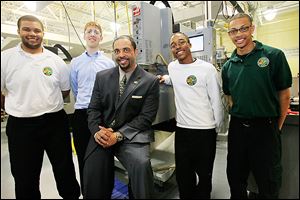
203, 44
152, 28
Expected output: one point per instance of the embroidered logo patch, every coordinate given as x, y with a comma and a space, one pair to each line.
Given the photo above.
191, 80
47, 71
263, 62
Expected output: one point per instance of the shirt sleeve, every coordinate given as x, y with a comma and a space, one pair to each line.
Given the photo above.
73, 79
64, 76
167, 79
214, 93
3, 61
283, 76
225, 81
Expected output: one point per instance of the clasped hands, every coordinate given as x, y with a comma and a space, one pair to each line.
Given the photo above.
106, 137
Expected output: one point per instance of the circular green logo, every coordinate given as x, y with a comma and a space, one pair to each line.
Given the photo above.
191, 80
47, 71
263, 62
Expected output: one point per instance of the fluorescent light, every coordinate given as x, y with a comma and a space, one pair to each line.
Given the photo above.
160, 5
31, 5
114, 26
270, 14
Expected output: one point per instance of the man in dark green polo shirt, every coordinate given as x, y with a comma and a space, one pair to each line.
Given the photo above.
257, 80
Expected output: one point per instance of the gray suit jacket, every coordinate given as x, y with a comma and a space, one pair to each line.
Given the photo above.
133, 113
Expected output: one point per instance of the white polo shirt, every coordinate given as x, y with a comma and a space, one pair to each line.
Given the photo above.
33, 82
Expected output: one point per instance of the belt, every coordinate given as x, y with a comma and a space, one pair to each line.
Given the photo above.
41, 117
81, 110
248, 122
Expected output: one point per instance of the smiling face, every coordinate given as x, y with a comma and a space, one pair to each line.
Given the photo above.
31, 34
92, 36
181, 48
240, 32
125, 54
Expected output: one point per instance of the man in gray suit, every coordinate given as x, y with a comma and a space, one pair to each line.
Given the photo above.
123, 106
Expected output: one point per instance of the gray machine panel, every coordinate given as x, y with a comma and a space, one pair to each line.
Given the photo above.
204, 44
152, 28
146, 31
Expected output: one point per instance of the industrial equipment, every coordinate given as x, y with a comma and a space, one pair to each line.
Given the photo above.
152, 29
203, 44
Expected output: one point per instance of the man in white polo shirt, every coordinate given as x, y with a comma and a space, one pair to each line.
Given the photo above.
35, 81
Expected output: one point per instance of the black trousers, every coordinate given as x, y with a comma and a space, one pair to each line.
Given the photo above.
254, 145
28, 138
81, 136
195, 151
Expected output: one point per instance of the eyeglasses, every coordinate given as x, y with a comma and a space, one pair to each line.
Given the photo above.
234, 31
92, 31
180, 43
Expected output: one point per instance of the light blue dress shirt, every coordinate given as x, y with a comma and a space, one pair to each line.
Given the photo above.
83, 74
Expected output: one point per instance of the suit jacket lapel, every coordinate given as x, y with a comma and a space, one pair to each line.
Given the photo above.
115, 85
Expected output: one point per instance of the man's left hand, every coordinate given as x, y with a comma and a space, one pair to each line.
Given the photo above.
111, 140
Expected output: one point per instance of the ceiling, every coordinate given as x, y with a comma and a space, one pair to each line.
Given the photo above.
56, 16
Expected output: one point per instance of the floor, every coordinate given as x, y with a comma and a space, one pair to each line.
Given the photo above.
167, 191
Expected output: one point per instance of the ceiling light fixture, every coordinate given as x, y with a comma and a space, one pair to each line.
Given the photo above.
31, 5
270, 14
160, 5
114, 26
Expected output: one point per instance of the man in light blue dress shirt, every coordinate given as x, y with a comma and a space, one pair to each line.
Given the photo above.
82, 76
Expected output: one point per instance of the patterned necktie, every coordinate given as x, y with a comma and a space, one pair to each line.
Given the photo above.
122, 85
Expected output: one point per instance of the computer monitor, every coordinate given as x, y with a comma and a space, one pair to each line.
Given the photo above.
197, 42
203, 44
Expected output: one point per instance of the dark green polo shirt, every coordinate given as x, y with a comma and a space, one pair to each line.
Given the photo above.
253, 81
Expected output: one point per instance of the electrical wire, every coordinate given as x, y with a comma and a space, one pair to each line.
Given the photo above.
226, 14
115, 17
94, 11
69, 36
72, 24
221, 6
162, 58
129, 29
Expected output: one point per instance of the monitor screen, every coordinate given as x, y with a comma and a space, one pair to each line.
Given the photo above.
197, 43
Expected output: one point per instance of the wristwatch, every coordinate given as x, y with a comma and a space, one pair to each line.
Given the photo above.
119, 136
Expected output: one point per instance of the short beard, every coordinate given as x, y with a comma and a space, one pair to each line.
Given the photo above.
124, 68
30, 46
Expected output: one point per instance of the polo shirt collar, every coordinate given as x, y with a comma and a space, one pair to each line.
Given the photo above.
258, 47
19, 49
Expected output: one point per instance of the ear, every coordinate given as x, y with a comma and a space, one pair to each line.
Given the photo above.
252, 29
18, 31
136, 52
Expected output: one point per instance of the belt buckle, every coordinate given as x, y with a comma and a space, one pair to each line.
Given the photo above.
246, 124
